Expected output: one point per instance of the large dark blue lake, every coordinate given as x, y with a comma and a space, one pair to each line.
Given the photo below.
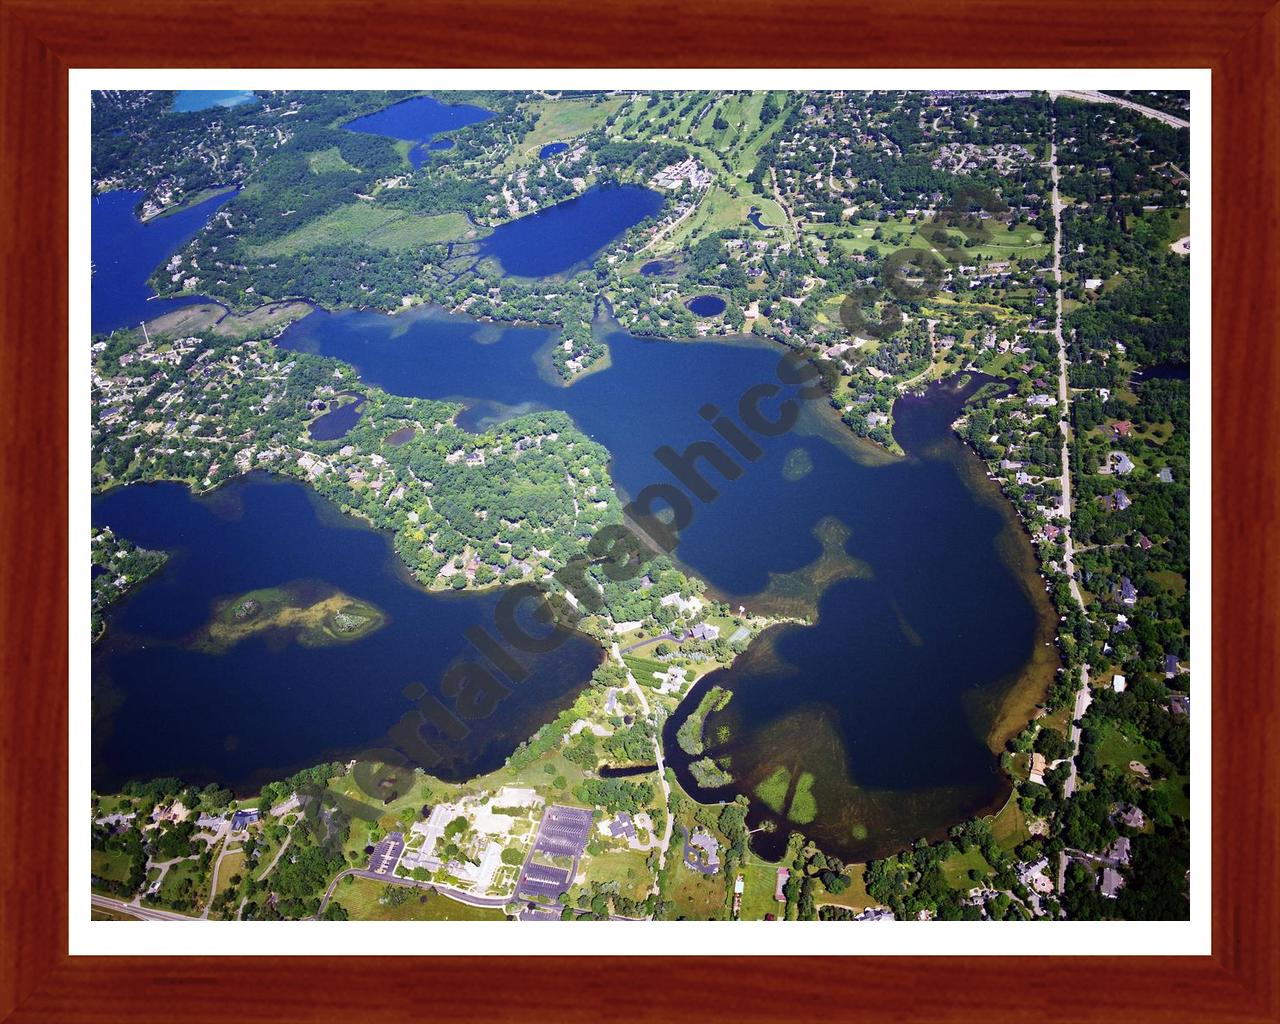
568, 235
419, 120
126, 251
932, 635
268, 705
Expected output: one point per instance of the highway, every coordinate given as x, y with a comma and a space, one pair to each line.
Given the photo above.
140, 912
1092, 96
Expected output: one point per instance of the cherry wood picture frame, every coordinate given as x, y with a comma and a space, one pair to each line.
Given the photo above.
41, 39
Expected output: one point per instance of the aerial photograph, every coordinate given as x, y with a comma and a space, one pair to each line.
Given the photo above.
638, 505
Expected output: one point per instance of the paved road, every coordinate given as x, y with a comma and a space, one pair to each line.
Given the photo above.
654, 640
138, 911
1091, 96
665, 843
444, 890
1064, 390
1083, 695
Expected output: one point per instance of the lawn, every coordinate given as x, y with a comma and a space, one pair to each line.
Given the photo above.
362, 900
956, 868
1117, 750
761, 878
858, 236
855, 897
370, 224
695, 896
111, 864
174, 878
1169, 581
1009, 826
232, 864
1175, 787
627, 867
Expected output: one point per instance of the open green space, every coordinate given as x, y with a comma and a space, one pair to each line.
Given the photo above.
1009, 826
561, 121
111, 864
326, 161
760, 879
627, 867
369, 224
957, 868
367, 900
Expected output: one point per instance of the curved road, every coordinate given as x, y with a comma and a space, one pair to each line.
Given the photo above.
457, 895
1093, 96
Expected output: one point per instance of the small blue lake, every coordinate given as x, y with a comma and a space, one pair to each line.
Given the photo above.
420, 120
568, 235
551, 149
338, 421
202, 99
657, 268
125, 251
754, 218
706, 305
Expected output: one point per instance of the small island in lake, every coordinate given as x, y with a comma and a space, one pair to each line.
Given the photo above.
315, 613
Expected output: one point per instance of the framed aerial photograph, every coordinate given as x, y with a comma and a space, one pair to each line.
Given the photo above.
641, 504
520, 515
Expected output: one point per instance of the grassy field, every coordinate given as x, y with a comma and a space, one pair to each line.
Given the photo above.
109, 914
560, 121
761, 878
855, 897
1175, 788
110, 864
369, 224
695, 896
325, 161
627, 867
956, 868
1009, 826
361, 899
232, 864
722, 208
1117, 750
899, 233
174, 877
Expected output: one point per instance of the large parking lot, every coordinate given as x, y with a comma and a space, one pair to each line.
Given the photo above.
563, 833
386, 854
